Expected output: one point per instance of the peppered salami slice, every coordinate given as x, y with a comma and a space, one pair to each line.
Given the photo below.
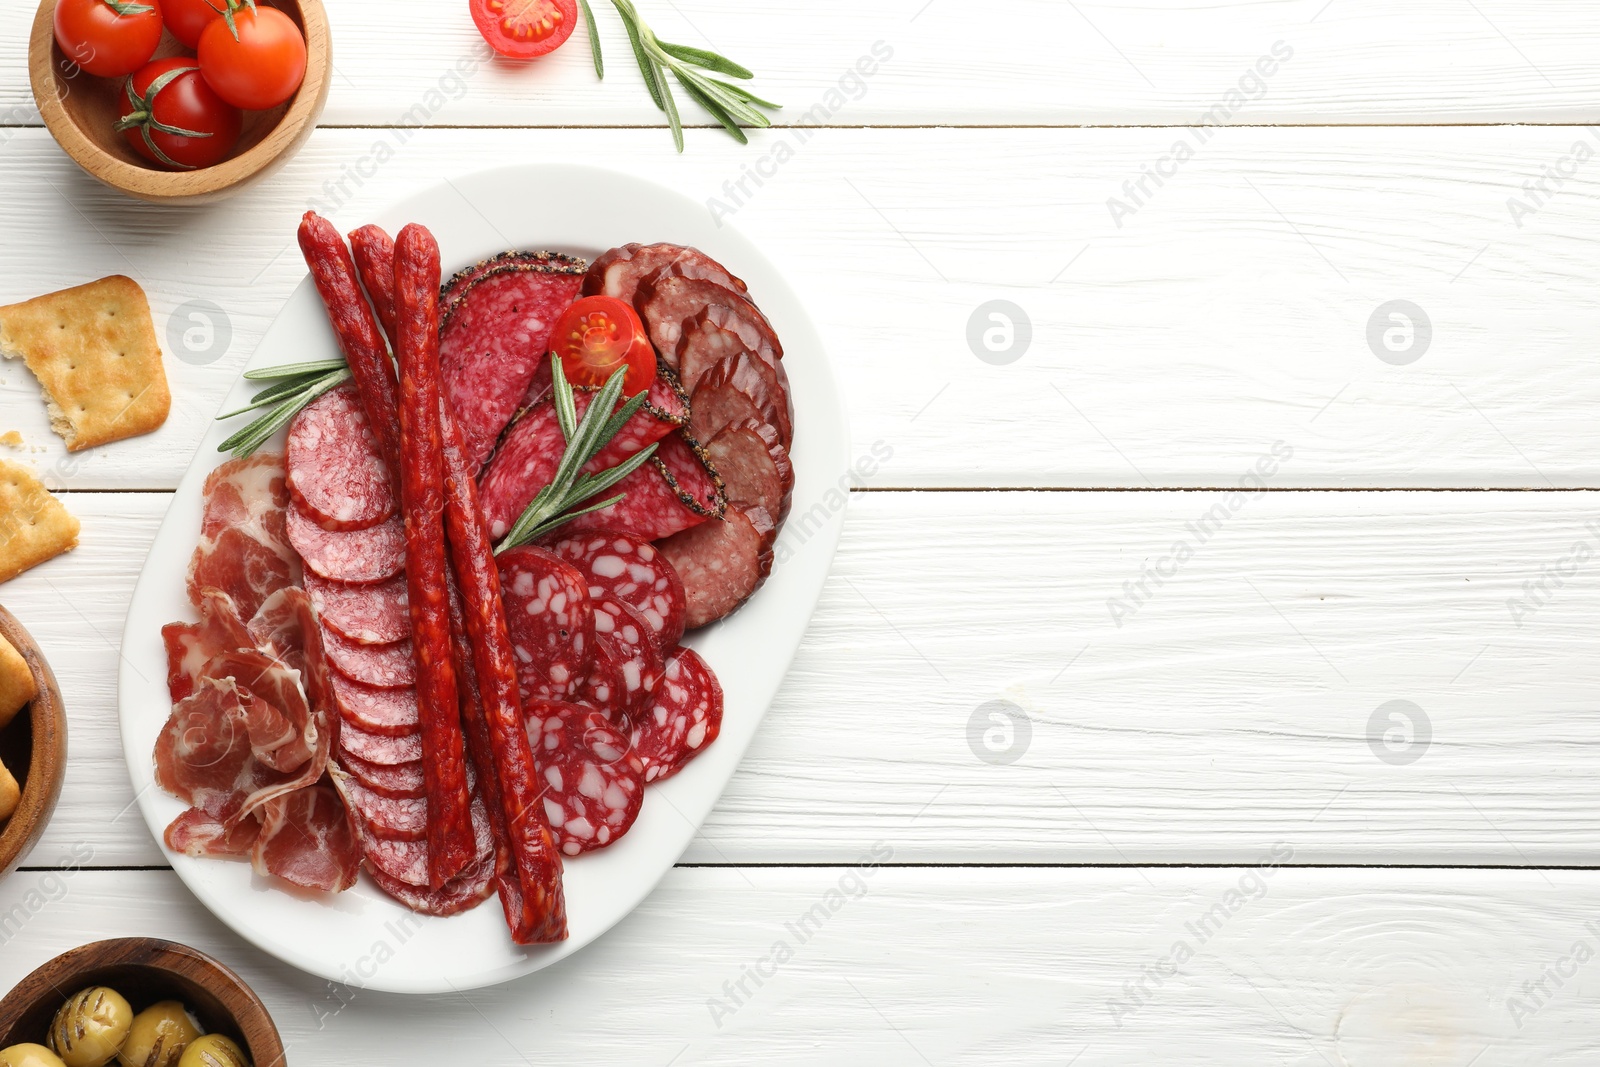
383, 666
461, 281
671, 300
765, 385
632, 645
682, 717
754, 466
592, 786
491, 342
336, 473
392, 712
550, 621
677, 489
722, 563
381, 749
368, 614
634, 572
620, 271
371, 555
399, 780
527, 457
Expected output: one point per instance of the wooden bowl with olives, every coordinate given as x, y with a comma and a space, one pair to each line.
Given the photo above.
33, 744
136, 1002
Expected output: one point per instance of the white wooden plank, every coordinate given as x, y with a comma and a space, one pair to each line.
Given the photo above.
1232, 311
1238, 704
1167, 62
958, 966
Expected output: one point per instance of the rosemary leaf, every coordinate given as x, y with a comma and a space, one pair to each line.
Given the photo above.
291, 370
709, 60
594, 40
566, 409
647, 66
715, 109
544, 528
593, 484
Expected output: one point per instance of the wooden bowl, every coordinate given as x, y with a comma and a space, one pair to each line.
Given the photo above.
80, 109
145, 970
34, 748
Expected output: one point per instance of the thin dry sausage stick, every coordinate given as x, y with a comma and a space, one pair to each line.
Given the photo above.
374, 257
451, 841
531, 892
334, 273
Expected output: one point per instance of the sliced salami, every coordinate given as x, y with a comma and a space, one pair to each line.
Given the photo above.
402, 861
490, 344
461, 281
682, 717
592, 786
378, 748
383, 666
634, 572
550, 620
754, 466
388, 818
391, 712
764, 385
336, 473
462, 893
716, 333
400, 780
605, 690
375, 554
371, 614
620, 271
628, 639
676, 490
722, 563
671, 300
528, 456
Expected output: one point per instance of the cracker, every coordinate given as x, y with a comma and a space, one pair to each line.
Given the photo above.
10, 794
17, 686
34, 526
93, 349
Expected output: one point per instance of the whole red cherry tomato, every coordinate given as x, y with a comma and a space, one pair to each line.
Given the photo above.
188, 19
171, 116
256, 59
599, 335
108, 38
524, 29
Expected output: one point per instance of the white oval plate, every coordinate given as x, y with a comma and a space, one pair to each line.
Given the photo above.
362, 938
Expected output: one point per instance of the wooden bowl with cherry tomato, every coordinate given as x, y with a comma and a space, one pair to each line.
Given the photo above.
171, 102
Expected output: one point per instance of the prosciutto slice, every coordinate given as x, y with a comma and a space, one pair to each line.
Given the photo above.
306, 839
244, 546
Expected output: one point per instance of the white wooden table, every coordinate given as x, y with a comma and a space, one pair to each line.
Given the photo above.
1161, 737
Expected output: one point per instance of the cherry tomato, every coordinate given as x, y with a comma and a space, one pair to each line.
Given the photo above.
108, 38
171, 116
524, 29
259, 69
599, 335
188, 19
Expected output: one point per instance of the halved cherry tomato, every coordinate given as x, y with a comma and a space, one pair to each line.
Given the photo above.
188, 19
259, 68
171, 116
599, 335
525, 29
108, 38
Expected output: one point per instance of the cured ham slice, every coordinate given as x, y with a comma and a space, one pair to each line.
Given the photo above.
306, 839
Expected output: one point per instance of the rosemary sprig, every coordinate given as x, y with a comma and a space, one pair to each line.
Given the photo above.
569, 492
733, 106
295, 386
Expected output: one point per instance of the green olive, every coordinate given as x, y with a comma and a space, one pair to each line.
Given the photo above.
28, 1056
158, 1036
90, 1027
213, 1050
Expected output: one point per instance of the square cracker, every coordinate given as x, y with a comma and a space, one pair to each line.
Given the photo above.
33, 525
17, 686
93, 349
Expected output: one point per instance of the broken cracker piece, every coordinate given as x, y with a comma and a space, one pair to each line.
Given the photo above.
17, 686
93, 349
34, 526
